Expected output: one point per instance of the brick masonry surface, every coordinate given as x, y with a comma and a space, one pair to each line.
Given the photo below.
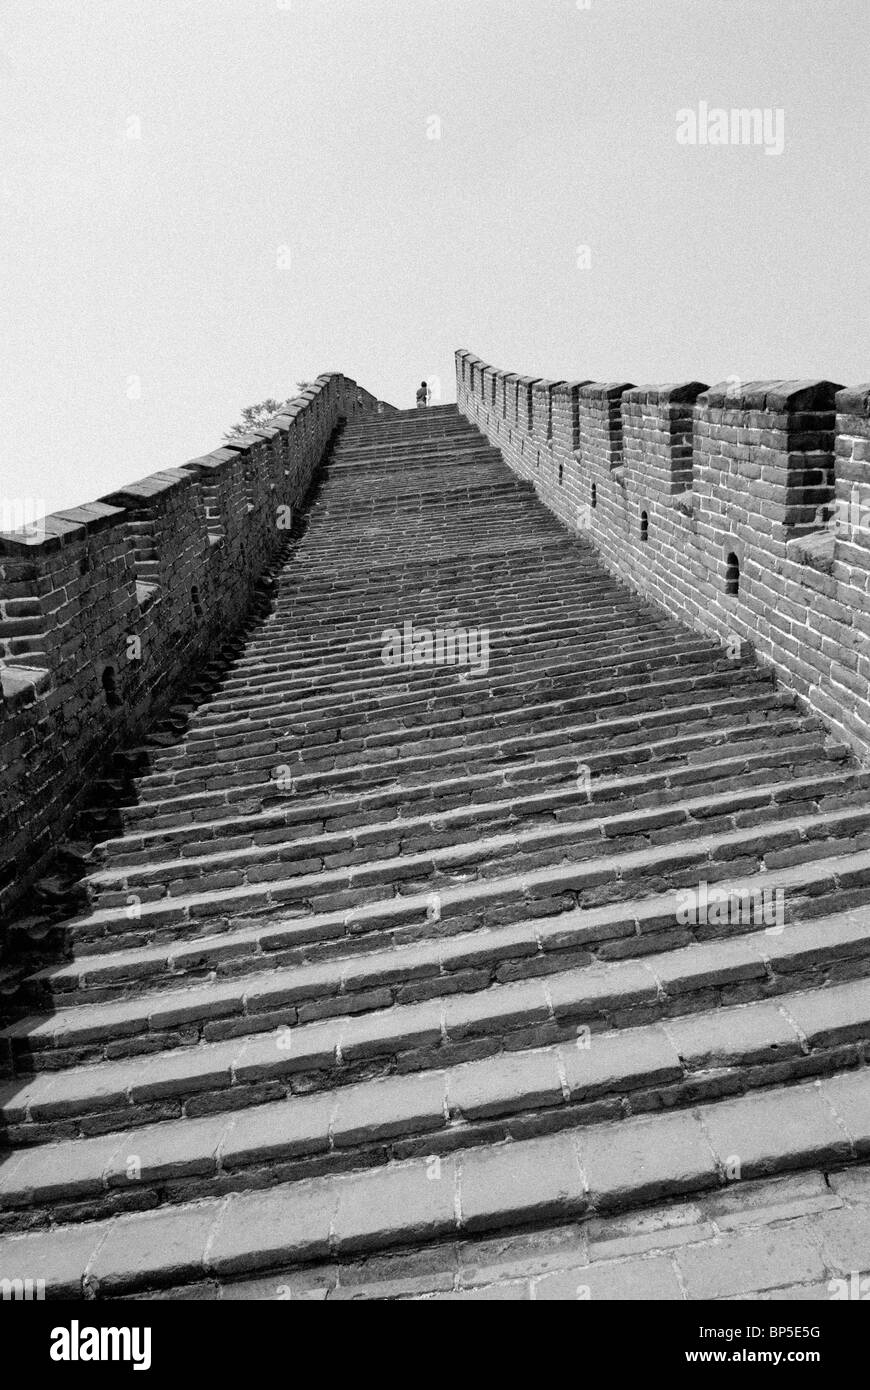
111, 609
743, 509
373, 955
801, 1237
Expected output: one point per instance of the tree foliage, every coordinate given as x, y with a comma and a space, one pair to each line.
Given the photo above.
254, 416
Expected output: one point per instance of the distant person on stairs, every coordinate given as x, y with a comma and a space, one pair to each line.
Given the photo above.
422, 396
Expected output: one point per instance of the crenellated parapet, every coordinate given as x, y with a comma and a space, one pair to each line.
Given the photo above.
108, 609
743, 509
657, 425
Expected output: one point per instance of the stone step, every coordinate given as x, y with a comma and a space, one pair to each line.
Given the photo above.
310, 632
785, 1237
318, 679
326, 688
372, 844
559, 698
434, 939
609, 1167
428, 487
390, 467
686, 1060
437, 686
411, 725
650, 733
681, 757
422, 529
795, 1036
407, 425
515, 568
660, 675
255, 786
392, 440
458, 798
602, 950
291, 643
425, 461
431, 533
454, 432
300, 596
551, 867
519, 728
568, 559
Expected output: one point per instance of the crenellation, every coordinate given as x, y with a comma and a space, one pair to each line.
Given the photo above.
566, 416
657, 436
542, 409
600, 418
508, 397
107, 609
743, 509
525, 404
488, 379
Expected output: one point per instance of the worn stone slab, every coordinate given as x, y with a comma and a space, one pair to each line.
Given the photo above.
615, 1062
767, 1132
388, 1110
759, 1202
61, 1260
511, 1082
646, 1159
749, 1262
410, 1201
651, 1280
507, 1183
283, 1130
844, 1237
270, 1229
160, 1247
757, 1032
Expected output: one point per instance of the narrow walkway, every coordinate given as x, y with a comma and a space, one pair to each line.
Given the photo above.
394, 948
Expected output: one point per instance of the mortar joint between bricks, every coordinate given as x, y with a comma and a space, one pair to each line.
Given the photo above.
548, 1000
563, 1076
661, 992
792, 1022
698, 1115
839, 1120
457, 1192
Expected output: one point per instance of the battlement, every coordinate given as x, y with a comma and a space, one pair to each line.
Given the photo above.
743, 508
109, 610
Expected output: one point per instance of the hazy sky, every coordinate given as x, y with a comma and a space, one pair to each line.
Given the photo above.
161, 162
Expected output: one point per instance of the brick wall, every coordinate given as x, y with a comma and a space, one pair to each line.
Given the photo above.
743, 510
106, 610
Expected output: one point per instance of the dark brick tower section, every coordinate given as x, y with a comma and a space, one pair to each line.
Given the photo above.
391, 952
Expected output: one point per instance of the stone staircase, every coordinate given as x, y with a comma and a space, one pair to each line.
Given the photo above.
380, 954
